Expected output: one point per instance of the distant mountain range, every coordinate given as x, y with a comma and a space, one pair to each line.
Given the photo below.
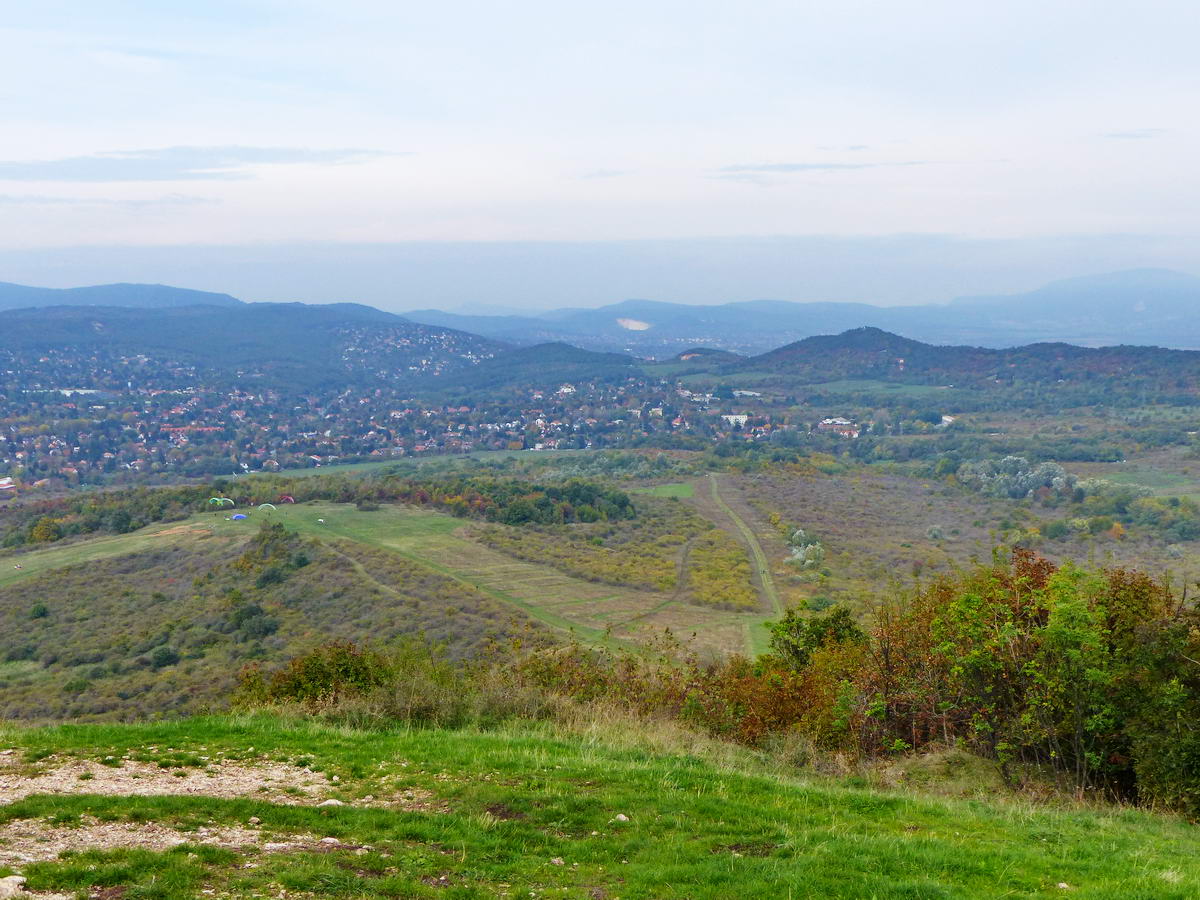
1141, 306
140, 296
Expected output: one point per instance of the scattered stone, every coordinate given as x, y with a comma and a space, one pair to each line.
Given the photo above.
621, 817
255, 820
330, 840
1063, 886
331, 802
557, 861
24, 841
12, 886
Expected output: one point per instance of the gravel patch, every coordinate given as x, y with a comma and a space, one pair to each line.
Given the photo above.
270, 781
26, 841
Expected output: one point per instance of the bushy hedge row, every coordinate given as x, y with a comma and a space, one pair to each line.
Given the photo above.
509, 500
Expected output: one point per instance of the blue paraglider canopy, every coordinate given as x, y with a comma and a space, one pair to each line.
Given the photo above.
239, 516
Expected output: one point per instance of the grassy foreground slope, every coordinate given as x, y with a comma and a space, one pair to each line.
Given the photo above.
525, 813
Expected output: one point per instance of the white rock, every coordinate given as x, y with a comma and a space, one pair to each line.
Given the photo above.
331, 802
330, 840
12, 886
557, 861
621, 817
255, 820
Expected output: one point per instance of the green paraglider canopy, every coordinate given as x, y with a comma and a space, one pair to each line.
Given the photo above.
219, 501
270, 506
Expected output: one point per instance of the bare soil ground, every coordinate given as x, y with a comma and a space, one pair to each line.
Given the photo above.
24, 841
269, 781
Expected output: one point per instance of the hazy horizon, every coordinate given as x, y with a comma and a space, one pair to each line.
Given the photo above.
492, 276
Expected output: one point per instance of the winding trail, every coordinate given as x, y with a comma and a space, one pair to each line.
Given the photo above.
681, 580
762, 568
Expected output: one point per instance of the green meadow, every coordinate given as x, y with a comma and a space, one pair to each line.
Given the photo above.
598, 811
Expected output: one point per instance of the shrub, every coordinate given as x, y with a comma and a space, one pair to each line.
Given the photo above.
1056, 531
794, 638
412, 683
332, 671
163, 656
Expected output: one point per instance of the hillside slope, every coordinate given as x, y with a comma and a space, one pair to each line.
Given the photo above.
292, 345
241, 807
164, 629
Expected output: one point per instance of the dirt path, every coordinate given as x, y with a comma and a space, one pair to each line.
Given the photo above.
677, 596
760, 565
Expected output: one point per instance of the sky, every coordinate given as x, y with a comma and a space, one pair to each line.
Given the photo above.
467, 153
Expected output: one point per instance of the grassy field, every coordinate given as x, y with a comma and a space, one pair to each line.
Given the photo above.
586, 610
600, 812
679, 489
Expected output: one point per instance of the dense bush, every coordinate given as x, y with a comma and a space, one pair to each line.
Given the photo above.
330, 672
1091, 677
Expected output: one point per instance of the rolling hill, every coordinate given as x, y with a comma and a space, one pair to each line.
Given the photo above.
291, 345
872, 353
138, 296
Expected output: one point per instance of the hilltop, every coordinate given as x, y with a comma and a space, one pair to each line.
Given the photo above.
872, 353
608, 809
137, 296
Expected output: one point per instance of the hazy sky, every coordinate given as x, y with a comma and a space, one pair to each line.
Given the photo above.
279, 124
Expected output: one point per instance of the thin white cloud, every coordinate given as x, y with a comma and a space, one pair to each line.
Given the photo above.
1134, 134
175, 164
785, 168
602, 173
48, 200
